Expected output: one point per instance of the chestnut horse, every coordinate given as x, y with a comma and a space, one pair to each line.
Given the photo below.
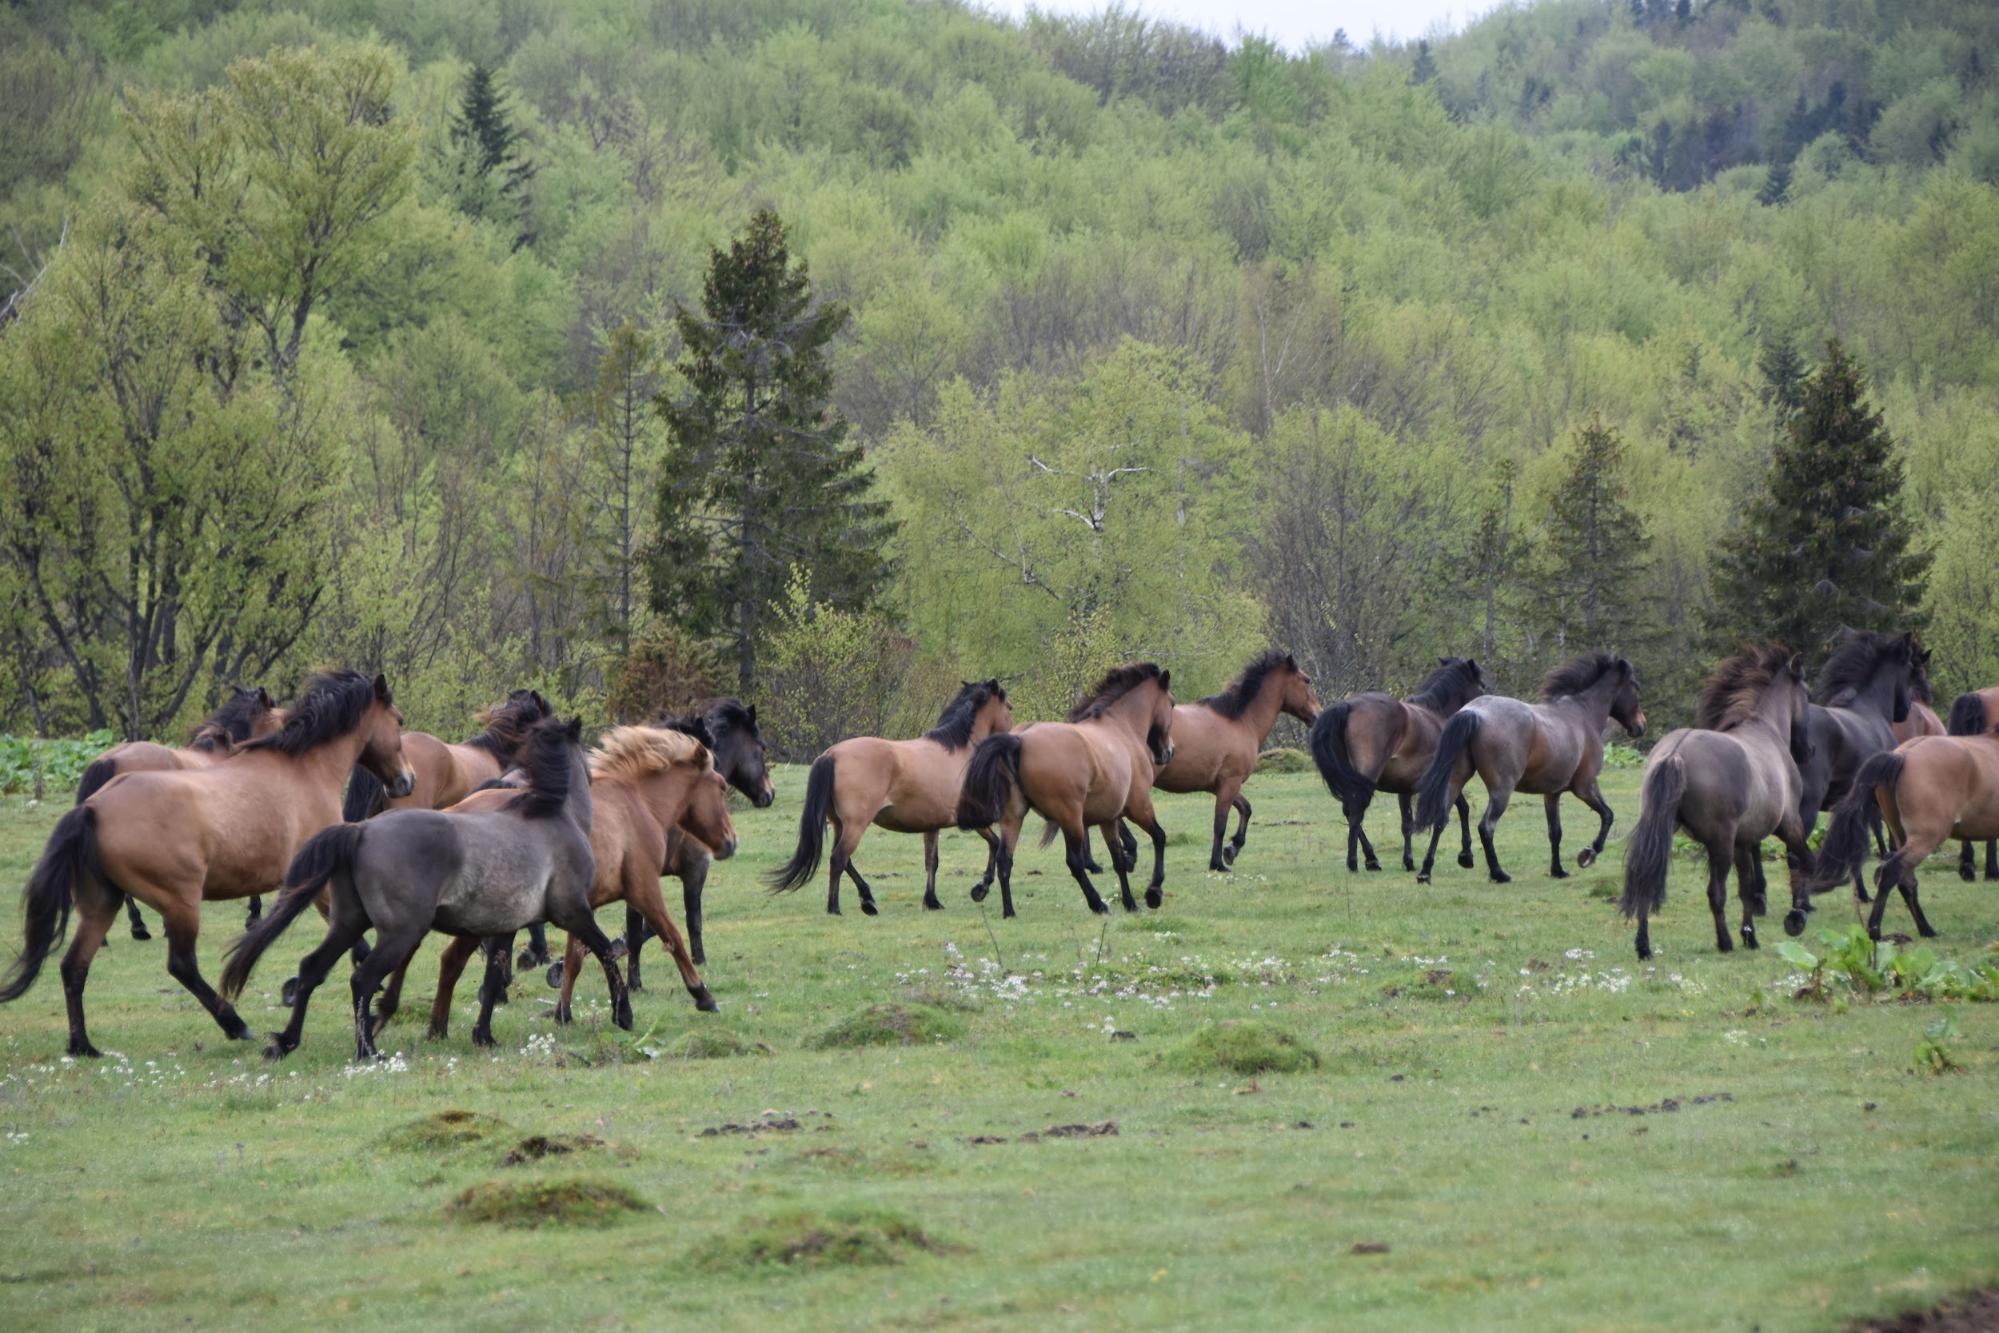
227, 831
447, 772
904, 786
248, 714
1090, 771
1730, 781
1545, 749
1976, 714
1376, 742
1216, 741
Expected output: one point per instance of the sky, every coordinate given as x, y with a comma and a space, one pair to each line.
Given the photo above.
1292, 23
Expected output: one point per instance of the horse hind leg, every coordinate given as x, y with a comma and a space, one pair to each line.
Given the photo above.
498, 949
312, 971
140, 933
931, 903
95, 918
1553, 801
1464, 833
1236, 844
1217, 859
1749, 888
1720, 854
1122, 864
1359, 850
1075, 848
392, 949
1495, 808
183, 927
1405, 803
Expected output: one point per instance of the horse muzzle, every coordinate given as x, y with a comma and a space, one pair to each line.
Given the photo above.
1637, 727
766, 798
726, 850
404, 784
1163, 757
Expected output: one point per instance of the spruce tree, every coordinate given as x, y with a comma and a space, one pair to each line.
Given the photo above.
1425, 68
1595, 551
758, 476
494, 176
1826, 543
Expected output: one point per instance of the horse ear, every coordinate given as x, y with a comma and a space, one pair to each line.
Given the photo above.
753, 714
575, 729
1166, 680
264, 698
1445, 661
382, 687
1471, 662
1796, 666
541, 703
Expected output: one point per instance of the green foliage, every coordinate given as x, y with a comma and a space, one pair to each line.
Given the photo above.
1932, 1056
830, 674
31, 765
666, 670
1595, 551
1854, 964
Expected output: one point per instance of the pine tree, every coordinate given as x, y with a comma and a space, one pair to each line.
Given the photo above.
1425, 68
758, 476
1826, 544
1783, 372
494, 177
1595, 550
1496, 553
627, 381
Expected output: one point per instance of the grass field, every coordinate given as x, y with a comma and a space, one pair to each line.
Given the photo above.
1465, 1154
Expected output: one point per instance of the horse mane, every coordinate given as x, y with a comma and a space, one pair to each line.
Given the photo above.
954, 725
1577, 674
544, 759
1236, 697
709, 720
1732, 690
332, 706
233, 723
507, 723
1117, 682
632, 753
1443, 684
1854, 663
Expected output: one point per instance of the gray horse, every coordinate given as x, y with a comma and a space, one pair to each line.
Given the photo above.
485, 874
1864, 689
1730, 781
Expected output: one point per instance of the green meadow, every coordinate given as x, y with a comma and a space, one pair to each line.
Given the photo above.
1292, 1097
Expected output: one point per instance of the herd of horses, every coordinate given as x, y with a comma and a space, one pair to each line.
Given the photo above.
397, 834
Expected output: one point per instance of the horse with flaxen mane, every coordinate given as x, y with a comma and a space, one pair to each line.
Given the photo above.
247, 714
1864, 689
1730, 781
1545, 749
1090, 771
1974, 714
903, 786
1376, 742
173, 840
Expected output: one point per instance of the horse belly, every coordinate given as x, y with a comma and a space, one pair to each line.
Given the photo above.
497, 890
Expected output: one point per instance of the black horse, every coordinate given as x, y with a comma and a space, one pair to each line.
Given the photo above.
1864, 689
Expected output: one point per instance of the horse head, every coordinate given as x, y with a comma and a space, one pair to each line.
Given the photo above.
382, 741
1159, 724
706, 815
1624, 705
1300, 700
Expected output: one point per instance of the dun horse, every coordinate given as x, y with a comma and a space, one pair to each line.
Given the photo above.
248, 714
1864, 690
1730, 781
172, 840
1976, 714
904, 786
1090, 771
1376, 742
481, 873
1216, 742
1544, 749
447, 772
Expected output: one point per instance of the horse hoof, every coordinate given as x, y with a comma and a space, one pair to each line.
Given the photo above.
436, 1033
1101, 909
623, 1018
141, 934
868, 907
833, 909
1927, 932
1422, 877
1644, 955
1230, 852
275, 1051
1794, 922
1559, 873
289, 991
1586, 857
1501, 877
1749, 937
704, 1001
1153, 898
554, 975
1219, 868
979, 892
484, 1039
929, 905
84, 1050
1467, 860
619, 948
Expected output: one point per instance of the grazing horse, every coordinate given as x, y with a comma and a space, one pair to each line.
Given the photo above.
1730, 781
1376, 742
248, 714
1216, 742
1545, 749
446, 773
172, 840
482, 873
904, 786
1930, 790
1092, 770
1864, 689
1975, 714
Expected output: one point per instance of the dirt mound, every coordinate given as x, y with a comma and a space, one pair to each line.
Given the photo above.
1282, 759
447, 1131
1242, 1046
1973, 1312
710, 1042
582, 1201
890, 1025
845, 1239
537, 1147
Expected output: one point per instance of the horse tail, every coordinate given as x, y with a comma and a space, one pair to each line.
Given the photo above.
811, 829
70, 856
1967, 716
989, 780
1647, 858
1433, 793
101, 771
1846, 841
1348, 784
328, 851
366, 796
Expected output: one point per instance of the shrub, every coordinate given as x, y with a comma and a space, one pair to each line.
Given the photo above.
667, 669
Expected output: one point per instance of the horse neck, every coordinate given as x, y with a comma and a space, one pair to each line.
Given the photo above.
1261, 715
982, 727
663, 793
1596, 700
577, 804
1877, 695
1133, 713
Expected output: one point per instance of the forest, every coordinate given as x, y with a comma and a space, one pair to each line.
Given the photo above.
337, 331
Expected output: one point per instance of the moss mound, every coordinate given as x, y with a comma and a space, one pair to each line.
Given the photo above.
709, 1042
845, 1239
890, 1025
1283, 759
581, 1201
1242, 1046
447, 1131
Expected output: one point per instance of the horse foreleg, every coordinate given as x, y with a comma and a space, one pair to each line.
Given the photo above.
1495, 807
1148, 820
930, 902
582, 924
1967, 870
648, 900
1405, 803
1553, 801
985, 882
139, 931
256, 911
392, 993
499, 948
1242, 833
572, 959
1592, 796
450, 967
694, 863
1216, 859
536, 954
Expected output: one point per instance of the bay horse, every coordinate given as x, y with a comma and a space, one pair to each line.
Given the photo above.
1929, 789
174, 839
645, 782
1376, 742
447, 772
1090, 771
1975, 714
482, 873
903, 786
1730, 781
1544, 749
1217, 739
247, 714
1864, 689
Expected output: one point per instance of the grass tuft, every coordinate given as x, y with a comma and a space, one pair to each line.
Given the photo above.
851, 1238
890, 1025
1283, 759
1242, 1046
581, 1201
447, 1131
710, 1042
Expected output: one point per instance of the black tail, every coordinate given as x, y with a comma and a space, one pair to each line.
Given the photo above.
366, 796
102, 771
811, 829
1348, 784
1967, 716
992, 775
1648, 857
329, 850
1433, 794
70, 855
1846, 842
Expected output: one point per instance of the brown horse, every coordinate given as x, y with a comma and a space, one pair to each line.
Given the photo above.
248, 714
1545, 749
172, 840
1087, 772
447, 772
1376, 742
645, 782
1929, 789
904, 786
1974, 714
1216, 741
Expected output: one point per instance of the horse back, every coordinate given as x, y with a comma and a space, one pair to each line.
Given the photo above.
1077, 769
229, 828
1206, 748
